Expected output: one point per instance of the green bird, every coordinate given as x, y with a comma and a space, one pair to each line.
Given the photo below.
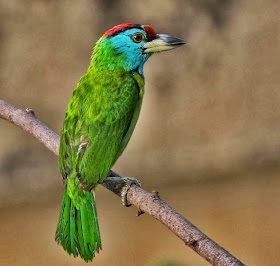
98, 124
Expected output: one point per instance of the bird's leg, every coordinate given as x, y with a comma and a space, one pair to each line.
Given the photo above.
122, 184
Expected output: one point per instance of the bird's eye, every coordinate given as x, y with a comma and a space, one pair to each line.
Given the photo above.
137, 37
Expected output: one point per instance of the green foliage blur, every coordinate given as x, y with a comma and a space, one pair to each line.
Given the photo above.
208, 137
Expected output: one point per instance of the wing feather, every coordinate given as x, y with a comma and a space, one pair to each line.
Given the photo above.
98, 118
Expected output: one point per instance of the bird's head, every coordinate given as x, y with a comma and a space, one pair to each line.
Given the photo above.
129, 45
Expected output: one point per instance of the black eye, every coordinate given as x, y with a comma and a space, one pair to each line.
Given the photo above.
137, 37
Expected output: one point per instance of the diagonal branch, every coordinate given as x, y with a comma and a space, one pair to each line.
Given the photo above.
144, 201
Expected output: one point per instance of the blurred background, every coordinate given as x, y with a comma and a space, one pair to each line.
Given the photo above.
208, 137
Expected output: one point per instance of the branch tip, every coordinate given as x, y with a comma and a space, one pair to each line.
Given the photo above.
30, 111
139, 213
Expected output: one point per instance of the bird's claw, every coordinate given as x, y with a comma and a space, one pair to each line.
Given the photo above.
128, 182
121, 184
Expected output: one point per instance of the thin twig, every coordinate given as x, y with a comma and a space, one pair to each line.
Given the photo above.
144, 201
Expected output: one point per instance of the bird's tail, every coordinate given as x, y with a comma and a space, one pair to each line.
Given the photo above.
78, 230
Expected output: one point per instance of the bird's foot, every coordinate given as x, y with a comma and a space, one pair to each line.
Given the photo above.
123, 184
128, 182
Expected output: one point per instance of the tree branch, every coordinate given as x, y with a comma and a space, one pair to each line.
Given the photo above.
144, 201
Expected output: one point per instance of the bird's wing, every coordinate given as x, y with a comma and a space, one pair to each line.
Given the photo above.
94, 128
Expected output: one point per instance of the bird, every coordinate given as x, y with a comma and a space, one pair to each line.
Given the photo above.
99, 121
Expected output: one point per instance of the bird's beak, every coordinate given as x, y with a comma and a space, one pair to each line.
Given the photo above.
162, 42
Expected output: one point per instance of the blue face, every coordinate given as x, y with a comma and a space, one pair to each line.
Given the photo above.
130, 44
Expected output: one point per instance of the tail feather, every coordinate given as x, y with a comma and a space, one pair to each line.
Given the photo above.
87, 232
73, 235
96, 232
78, 230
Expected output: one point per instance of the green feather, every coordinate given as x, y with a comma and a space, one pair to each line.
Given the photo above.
81, 247
73, 235
78, 229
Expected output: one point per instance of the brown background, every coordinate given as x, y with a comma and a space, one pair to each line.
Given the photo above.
208, 138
